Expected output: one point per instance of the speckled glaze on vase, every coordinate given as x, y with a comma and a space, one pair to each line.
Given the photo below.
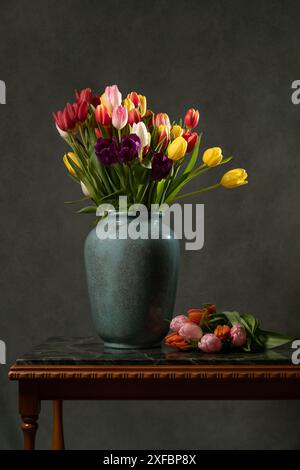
132, 283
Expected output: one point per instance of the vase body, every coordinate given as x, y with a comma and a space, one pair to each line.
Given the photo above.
132, 282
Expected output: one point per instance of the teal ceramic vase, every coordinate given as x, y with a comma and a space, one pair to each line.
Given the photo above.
132, 282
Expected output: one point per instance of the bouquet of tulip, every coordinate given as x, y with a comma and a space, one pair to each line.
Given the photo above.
212, 332
120, 147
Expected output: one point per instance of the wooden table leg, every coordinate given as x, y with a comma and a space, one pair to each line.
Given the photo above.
58, 432
29, 408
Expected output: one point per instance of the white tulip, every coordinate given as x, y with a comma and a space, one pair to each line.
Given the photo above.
141, 131
84, 189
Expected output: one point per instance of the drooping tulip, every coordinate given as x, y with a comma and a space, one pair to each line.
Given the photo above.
73, 157
191, 138
134, 116
141, 131
143, 105
212, 156
134, 97
162, 119
234, 178
177, 149
119, 117
112, 97
102, 115
191, 119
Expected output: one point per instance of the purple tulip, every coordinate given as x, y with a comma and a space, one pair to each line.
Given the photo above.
106, 151
238, 335
161, 166
130, 146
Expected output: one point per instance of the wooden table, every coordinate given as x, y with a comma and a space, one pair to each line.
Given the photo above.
81, 369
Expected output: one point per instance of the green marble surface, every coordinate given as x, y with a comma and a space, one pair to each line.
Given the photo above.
90, 350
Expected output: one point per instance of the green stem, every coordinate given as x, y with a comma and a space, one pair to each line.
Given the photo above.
194, 193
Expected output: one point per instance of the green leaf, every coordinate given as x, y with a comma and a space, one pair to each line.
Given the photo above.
87, 210
194, 156
273, 340
233, 317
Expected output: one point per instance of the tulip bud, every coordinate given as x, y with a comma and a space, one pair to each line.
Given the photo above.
128, 104
213, 156
141, 131
84, 189
102, 116
134, 97
74, 158
134, 116
98, 133
119, 117
191, 118
234, 178
177, 149
174, 340
162, 119
191, 138
222, 332
143, 105
176, 131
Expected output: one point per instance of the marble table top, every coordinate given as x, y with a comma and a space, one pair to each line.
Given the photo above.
90, 350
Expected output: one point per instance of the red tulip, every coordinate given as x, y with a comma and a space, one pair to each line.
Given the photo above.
66, 119
163, 137
134, 97
162, 119
82, 111
134, 116
191, 118
98, 133
102, 115
84, 95
191, 138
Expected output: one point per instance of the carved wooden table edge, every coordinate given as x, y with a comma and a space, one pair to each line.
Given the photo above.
226, 371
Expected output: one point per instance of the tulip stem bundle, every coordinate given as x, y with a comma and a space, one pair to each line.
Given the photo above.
120, 147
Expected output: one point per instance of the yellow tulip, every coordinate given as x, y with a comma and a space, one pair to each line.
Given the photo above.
128, 104
177, 149
73, 157
143, 105
176, 131
213, 156
234, 178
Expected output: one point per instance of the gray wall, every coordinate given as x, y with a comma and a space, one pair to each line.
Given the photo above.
235, 60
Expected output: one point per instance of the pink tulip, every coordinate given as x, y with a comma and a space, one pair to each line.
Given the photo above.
177, 322
119, 117
112, 97
238, 335
210, 343
162, 119
190, 331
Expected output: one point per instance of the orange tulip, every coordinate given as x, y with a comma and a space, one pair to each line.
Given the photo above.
176, 341
195, 314
222, 332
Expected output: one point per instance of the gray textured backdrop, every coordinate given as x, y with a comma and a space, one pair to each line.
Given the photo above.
235, 60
